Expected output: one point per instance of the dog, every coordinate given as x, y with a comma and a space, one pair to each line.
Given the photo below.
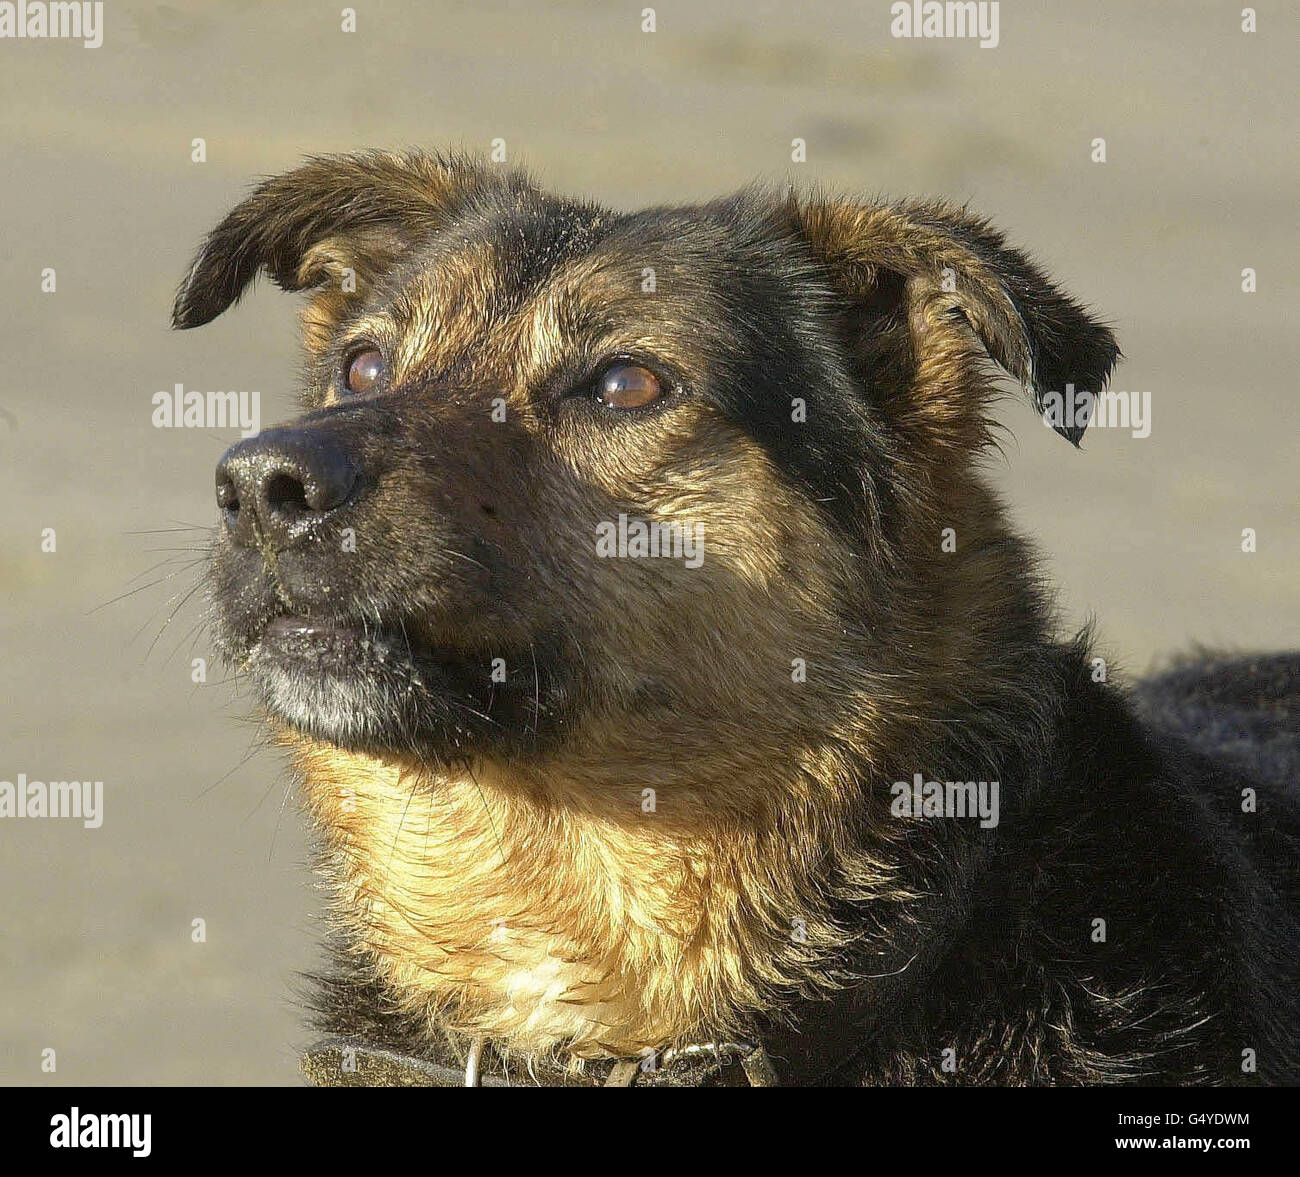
828, 804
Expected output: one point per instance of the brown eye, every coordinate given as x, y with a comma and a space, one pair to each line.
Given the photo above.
365, 370
629, 386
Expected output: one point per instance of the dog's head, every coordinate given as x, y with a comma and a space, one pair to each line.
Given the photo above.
570, 478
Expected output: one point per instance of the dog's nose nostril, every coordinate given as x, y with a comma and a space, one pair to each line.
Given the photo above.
227, 494
286, 495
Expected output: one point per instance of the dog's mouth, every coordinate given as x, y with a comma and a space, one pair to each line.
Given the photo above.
348, 647
356, 651
373, 686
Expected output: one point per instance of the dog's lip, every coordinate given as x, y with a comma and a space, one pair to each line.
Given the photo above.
287, 626
290, 625
296, 630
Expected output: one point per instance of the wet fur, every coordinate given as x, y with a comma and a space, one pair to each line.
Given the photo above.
492, 867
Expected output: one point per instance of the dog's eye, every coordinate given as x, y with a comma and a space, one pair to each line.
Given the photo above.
628, 386
364, 370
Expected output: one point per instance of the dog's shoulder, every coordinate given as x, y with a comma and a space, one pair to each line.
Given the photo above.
1154, 869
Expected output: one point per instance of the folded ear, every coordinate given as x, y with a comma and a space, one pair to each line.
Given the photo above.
947, 267
346, 211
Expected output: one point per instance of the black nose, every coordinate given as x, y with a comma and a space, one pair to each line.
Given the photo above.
281, 483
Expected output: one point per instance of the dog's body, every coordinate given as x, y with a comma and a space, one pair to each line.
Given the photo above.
587, 808
1200, 954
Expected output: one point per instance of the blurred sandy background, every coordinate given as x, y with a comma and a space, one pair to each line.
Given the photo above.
96, 958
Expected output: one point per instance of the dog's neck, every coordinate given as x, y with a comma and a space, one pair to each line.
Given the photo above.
543, 925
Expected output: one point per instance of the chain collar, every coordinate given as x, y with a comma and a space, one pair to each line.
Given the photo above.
352, 1062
